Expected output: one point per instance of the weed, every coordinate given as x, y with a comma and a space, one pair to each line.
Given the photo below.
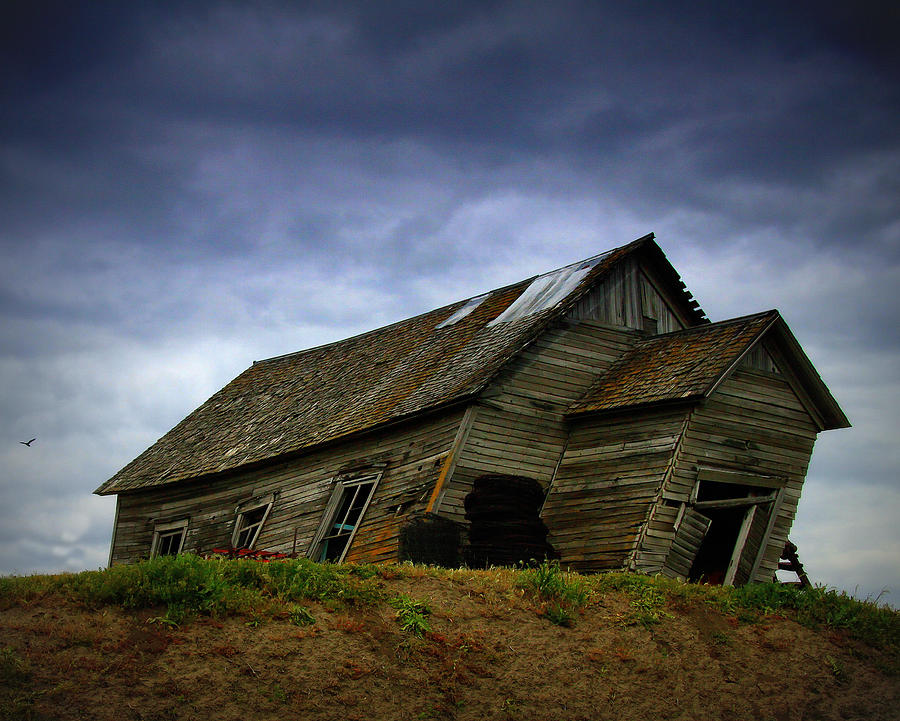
837, 669
163, 621
559, 615
187, 586
549, 583
560, 592
647, 606
279, 694
13, 668
720, 638
301, 616
878, 626
254, 622
15, 700
365, 571
411, 615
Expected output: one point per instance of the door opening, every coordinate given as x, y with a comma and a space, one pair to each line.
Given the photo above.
715, 553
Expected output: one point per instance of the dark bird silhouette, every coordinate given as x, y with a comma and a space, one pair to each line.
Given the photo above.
28, 443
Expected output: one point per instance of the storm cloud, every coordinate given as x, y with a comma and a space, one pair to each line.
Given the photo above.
185, 188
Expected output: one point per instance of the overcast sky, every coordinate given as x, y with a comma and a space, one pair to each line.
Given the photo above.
187, 188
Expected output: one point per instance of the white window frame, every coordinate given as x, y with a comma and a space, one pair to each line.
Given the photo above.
241, 511
164, 530
341, 486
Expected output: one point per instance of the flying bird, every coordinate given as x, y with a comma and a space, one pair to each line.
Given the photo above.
28, 443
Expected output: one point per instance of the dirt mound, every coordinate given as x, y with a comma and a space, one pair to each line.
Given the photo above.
490, 653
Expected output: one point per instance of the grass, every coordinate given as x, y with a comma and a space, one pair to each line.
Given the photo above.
560, 592
15, 700
411, 615
816, 607
301, 616
187, 586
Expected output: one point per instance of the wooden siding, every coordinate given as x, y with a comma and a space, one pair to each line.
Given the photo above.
691, 530
753, 423
654, 306
626, 298
411, 454
760, 359
519, 427
608, 481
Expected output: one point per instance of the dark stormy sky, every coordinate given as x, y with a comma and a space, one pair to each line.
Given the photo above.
185, 188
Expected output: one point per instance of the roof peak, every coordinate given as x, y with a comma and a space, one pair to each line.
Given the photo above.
291, 403
560, 295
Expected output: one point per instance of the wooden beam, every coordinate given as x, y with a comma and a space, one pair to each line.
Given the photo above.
462, 434
746, 479
735, 502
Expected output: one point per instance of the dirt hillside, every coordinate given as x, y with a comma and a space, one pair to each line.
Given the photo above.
491, 653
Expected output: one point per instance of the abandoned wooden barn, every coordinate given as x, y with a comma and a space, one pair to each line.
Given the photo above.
654, 440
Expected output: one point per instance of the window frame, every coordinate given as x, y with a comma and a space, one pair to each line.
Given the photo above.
164, 530
764, 495
340, 486
241, 511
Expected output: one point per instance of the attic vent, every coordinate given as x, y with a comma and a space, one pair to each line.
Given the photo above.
548, 290
469, 306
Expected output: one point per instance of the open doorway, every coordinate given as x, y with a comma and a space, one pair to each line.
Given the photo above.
717, 548
722, 531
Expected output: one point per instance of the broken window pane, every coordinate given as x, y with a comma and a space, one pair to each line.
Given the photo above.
343, 523
168, 538
248, 525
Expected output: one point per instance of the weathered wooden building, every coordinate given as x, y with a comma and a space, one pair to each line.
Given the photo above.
661, 442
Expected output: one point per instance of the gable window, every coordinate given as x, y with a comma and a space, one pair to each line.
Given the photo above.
251, 517
168, 538
343, 515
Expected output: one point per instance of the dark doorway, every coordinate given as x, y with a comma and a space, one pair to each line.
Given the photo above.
711, 563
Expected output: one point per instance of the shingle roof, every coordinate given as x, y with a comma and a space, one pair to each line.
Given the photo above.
677, 366
292, 403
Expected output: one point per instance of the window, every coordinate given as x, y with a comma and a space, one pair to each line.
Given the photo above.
342, 517
168, 538
250, 519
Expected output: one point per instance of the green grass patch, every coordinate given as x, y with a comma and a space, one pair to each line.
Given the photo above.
559, 615
549, 583
301, 616
411, 614
820, 607
816, 607
560, 592
187, 585
16, 701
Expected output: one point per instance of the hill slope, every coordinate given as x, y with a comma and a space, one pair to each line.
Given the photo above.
300, 641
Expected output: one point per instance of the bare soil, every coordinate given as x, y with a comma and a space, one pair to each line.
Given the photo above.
489, 655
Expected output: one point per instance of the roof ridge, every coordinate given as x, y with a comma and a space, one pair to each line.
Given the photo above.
643, 239
392, 324
644, 348
290, 403
773, 313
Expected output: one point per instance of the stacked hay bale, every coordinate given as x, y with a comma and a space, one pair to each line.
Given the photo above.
506, 528
431, 540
